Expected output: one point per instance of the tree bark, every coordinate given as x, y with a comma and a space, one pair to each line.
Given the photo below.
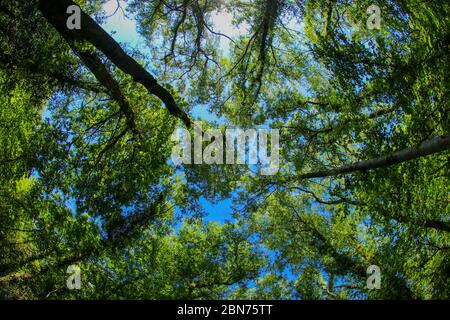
55, 13
426, 148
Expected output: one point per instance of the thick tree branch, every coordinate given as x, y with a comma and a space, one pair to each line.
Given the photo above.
93, 62
55, 13
428, 147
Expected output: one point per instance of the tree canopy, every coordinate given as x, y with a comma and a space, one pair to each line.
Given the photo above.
86, 136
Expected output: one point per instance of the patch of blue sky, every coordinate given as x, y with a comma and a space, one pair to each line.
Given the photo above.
122, 28
220, 211
201, 112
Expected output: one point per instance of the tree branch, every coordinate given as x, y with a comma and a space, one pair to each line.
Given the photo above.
426, 148
55, 13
